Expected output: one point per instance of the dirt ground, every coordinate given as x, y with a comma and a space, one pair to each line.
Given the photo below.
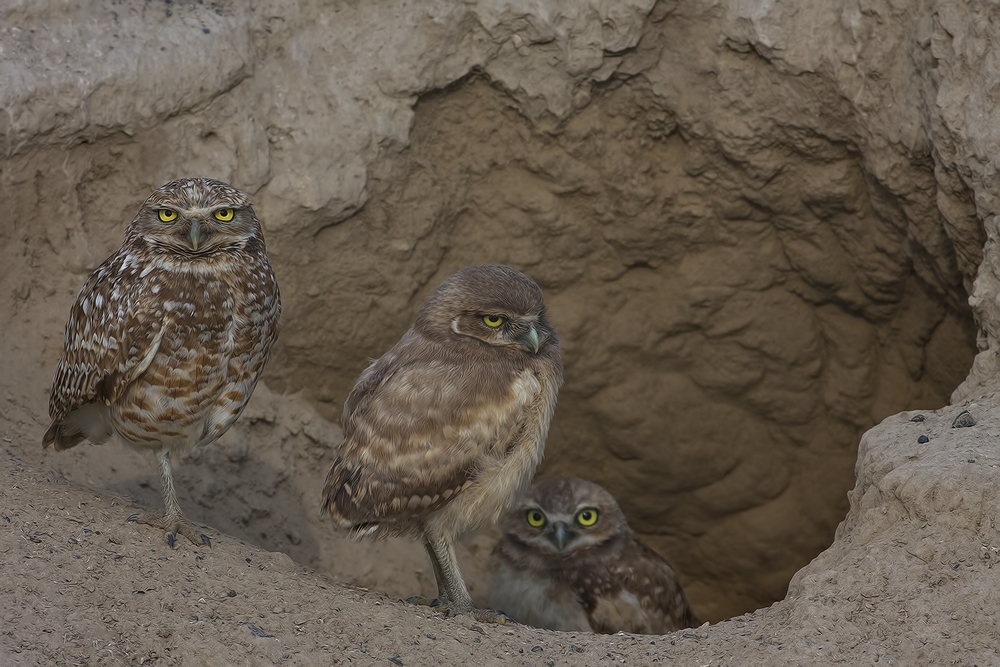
910, 579
82, 586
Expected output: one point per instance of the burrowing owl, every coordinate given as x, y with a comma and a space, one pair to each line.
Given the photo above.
568, 561
443, 431
167, 339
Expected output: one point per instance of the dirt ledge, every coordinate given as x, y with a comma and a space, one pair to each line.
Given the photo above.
909, 580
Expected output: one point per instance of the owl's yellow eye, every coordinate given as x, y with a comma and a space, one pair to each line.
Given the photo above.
535, 518
224, 214
586, 517
493, 320
166, 215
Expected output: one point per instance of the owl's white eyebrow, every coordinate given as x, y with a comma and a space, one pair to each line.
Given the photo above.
200, 211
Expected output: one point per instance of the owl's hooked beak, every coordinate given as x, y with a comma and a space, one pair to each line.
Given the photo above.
530, 340
560, 534
197, 234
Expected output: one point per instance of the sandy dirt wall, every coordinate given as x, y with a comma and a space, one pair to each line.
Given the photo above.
756, 227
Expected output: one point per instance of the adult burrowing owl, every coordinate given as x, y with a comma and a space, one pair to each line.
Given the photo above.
166, 341
568, 561
443, 431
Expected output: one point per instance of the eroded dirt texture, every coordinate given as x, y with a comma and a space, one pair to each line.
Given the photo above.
757, 225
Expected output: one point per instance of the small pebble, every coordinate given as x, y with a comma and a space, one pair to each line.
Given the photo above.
431, 636
917, 418
922, 439
963, 420
257, 631
206, 30
536, 649
971, 461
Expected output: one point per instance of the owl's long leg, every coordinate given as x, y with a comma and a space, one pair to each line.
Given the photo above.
172, 507
453, 596
451, 586
172, 521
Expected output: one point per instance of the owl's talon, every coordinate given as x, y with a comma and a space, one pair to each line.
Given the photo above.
173, 527
419, 601
444, 607
494, 616
132, 518
437, 604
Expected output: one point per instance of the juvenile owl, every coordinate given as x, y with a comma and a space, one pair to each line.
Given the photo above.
568, 561
167, 339
445, 430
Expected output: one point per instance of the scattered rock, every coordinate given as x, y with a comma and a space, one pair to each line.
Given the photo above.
963, 420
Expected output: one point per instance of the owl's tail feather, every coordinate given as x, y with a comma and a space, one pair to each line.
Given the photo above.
57, 436
91, 421
334, 493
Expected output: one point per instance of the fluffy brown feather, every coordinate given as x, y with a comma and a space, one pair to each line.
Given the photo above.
443, 431
166, 340
574, 577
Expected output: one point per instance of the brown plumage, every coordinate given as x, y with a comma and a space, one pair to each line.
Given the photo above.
167, 339
444, 430
569, 561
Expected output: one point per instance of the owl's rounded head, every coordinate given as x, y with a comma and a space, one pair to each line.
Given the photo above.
491, 303
196, 217
561, 517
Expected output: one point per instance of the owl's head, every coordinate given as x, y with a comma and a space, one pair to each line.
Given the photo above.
491, 303
194, 217
561, 517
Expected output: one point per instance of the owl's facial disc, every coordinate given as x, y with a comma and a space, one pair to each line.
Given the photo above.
200, 230
564, 531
